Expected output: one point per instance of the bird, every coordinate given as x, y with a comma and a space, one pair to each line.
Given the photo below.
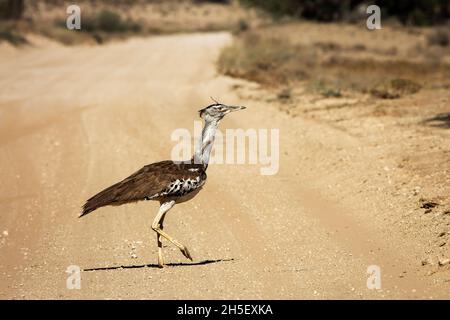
168, 182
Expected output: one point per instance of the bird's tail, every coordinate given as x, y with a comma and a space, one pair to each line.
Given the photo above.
101, 199
88, 207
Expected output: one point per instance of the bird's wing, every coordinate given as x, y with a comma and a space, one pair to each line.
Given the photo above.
157, 179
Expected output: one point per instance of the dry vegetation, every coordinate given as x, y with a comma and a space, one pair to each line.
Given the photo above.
105, 20
271, 57
9, 34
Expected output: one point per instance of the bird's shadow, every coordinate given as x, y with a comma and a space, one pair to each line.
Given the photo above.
152, 265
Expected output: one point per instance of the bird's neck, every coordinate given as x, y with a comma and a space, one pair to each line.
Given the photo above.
205, 143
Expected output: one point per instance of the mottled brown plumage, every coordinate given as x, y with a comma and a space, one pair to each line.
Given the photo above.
145, 184
167, 182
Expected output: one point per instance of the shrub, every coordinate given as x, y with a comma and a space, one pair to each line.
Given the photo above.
8, 33
395, 88
439, 37
109, 21
417, 12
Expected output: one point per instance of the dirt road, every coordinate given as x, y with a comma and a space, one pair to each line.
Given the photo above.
75, 120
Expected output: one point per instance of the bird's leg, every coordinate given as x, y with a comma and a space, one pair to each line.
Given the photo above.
159, 241
157, 227
158, 224
182, 248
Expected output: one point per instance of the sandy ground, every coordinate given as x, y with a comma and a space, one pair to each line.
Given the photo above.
75, 120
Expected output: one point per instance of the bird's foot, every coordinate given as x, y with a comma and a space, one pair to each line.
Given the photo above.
186, 253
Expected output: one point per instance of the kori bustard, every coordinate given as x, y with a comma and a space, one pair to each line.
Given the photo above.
167, 182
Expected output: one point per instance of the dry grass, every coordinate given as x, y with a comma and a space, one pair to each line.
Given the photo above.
269, 61
106, 20
328, 68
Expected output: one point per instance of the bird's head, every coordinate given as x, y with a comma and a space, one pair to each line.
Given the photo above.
217, 111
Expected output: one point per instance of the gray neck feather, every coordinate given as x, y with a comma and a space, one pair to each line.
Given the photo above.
205, 143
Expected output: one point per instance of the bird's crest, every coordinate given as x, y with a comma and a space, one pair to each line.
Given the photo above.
215, 103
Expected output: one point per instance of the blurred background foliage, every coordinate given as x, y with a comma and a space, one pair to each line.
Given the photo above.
412, 12
11, 9
409, 12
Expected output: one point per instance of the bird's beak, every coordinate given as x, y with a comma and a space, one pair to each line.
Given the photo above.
235, 108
